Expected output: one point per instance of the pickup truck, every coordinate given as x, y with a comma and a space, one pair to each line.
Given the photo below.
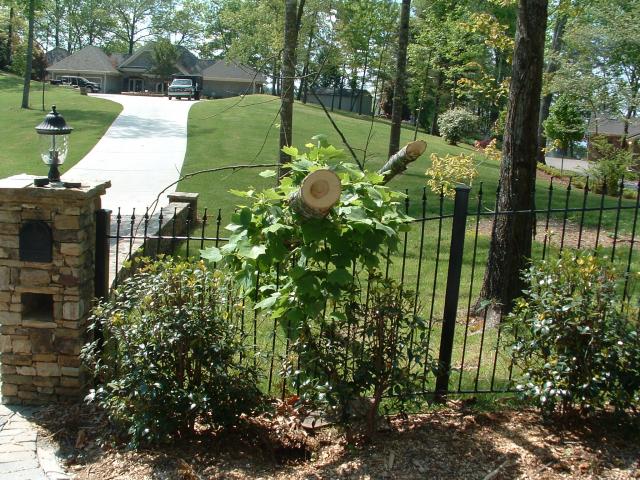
182, 87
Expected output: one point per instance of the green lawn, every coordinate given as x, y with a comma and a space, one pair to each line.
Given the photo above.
90, 118
225, 132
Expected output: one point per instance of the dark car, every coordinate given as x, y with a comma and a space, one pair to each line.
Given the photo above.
80, 82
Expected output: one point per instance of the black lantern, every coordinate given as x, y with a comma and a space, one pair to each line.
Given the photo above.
54, 142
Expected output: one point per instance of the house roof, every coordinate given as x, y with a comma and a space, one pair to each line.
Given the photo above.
88, 59
614, 127
142, 60
55, 55
229, 70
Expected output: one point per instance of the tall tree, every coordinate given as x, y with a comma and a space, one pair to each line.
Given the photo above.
31, 13
511, 237
399, 91
133, 20
292, 17
165, 56
557, 40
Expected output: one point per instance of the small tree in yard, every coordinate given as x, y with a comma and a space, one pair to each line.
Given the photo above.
456, 123
565, 124
165, 56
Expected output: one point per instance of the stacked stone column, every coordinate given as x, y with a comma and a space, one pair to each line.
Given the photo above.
44, 306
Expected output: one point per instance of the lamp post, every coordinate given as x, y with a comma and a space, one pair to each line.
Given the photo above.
54, 144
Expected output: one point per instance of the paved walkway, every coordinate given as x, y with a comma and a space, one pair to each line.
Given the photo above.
23, 454
569, 164
141, 153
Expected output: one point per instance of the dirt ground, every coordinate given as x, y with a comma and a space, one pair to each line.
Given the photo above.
456, 442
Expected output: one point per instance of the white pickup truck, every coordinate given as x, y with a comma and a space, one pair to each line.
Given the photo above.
182, 88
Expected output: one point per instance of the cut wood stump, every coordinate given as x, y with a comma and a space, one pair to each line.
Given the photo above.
399, 161
319, 192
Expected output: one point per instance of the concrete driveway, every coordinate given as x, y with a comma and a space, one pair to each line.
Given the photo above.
141, 153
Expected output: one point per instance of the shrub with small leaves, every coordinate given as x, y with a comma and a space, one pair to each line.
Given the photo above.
374, 345
447, 172
576, 341
611, 166
457, 123
172, 351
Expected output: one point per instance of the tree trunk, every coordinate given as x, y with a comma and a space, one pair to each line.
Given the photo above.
288, 73
510, 246
27, 69
364, 71
304, 83
552, 66
10, 37
400, 78
436, 107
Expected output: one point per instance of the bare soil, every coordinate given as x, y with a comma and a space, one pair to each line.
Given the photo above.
456, 442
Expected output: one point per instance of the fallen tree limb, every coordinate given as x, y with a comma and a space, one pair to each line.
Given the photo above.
399, 161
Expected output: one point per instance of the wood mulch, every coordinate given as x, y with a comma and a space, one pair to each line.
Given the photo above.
455, 442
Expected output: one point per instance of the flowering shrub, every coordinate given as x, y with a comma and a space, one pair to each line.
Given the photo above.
456, 123
447, 172
575, 340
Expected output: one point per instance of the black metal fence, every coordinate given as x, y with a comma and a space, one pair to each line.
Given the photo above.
442, 260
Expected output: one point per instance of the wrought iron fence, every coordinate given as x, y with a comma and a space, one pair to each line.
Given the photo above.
441, 260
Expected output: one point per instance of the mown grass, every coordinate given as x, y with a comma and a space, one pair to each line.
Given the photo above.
20, 152
225, 132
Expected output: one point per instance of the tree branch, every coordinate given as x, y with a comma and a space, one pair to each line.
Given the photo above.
344, 140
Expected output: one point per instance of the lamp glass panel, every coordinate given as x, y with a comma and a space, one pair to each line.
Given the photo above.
52, 147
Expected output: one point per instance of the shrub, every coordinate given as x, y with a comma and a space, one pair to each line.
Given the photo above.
456, 123
574, 337
171, 353
447, 172
612, 165
373, 346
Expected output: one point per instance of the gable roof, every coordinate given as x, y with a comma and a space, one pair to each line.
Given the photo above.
142, 60
229, 70
614, 127
88, 59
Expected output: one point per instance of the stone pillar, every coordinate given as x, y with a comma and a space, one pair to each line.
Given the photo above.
47, 253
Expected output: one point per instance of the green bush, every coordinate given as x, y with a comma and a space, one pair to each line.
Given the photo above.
575, 339
456, 123
612, 165
373, 346
172, 352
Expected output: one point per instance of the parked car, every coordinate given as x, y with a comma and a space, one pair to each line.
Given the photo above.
80, 82
182, 88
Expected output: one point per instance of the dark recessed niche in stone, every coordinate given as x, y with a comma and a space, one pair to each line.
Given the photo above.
37, 306
36, 242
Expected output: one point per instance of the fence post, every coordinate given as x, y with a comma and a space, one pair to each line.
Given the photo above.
456, 251
103, 224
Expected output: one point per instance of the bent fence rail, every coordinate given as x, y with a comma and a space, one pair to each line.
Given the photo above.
441, 260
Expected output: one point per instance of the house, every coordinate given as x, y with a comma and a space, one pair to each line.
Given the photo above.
613, 131
343, 99
116, 73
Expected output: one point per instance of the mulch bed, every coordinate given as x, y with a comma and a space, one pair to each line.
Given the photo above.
452, 442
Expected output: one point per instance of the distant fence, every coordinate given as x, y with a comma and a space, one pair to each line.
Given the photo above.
442, 260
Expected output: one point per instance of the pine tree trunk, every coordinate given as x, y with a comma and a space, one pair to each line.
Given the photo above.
288, 73
400, 78
10, 38
27, 70
436, 107
511, 237
552, 66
